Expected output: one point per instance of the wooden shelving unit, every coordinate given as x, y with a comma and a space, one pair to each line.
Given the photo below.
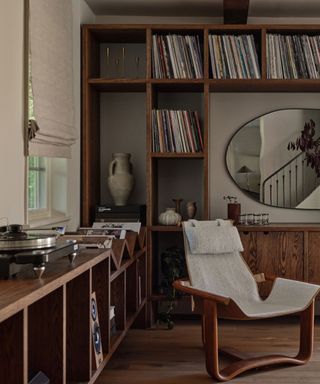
161, 94
45, 323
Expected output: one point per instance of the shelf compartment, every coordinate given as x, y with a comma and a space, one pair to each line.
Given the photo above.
257, 37
131, 289
122, 128
46, 335
118, 85
166, 51
107, 58
299, 59
118, 300
11, 349
160, 242
78, 342
187, 181
100, 285
142, 278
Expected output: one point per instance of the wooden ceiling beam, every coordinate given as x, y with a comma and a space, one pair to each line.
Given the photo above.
235, 11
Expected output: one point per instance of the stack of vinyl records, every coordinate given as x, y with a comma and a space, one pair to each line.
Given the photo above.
126, 213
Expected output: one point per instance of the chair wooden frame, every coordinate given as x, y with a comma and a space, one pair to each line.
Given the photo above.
213, 306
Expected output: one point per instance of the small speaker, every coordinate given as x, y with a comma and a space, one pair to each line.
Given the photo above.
95, 330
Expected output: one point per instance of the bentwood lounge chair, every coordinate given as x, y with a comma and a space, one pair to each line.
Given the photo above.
223, 286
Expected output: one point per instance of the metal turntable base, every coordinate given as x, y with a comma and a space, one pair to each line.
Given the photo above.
18, 248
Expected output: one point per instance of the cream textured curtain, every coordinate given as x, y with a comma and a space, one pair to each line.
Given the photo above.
51, 52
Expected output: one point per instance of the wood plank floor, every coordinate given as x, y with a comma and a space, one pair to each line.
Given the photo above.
176, 356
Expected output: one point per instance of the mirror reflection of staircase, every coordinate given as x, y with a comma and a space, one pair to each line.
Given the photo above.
294, 185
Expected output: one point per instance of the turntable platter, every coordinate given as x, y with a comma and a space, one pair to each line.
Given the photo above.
15, 239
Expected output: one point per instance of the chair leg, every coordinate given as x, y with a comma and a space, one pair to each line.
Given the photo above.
210, 319
238, 367
203, 329
306, 334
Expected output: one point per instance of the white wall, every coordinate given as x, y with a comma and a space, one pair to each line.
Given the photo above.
245, 107
12, 161
82, 14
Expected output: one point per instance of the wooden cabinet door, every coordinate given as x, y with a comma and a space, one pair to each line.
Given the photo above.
314, 257
249, 242
277, 254
280, 254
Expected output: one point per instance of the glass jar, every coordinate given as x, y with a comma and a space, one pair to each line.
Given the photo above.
250, 220
265, 218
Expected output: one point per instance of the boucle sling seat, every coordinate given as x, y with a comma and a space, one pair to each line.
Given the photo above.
223, 286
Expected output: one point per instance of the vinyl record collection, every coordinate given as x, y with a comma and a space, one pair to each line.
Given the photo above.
293, 56
176, 131
176, 57
233, 57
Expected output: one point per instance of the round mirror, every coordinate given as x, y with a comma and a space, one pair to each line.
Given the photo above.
274, 159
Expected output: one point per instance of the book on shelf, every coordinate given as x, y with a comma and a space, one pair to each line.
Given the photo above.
176, 57
233, 57
293, 56
176, 131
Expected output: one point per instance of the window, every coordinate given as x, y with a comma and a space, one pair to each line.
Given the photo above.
50, 131
47, 189
37, 183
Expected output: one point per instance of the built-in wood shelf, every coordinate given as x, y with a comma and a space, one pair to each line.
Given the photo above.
45, 324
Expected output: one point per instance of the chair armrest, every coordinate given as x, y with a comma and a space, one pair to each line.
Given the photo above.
185, 286
261, 277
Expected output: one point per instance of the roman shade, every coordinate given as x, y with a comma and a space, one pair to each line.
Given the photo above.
52, 131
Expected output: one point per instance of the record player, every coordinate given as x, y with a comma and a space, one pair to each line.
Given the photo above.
19, 249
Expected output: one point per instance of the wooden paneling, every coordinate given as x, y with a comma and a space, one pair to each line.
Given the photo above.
249, 241
314, 257
275, 253
280, 254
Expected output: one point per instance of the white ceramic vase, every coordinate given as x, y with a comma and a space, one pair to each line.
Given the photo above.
169, 217
120, 180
